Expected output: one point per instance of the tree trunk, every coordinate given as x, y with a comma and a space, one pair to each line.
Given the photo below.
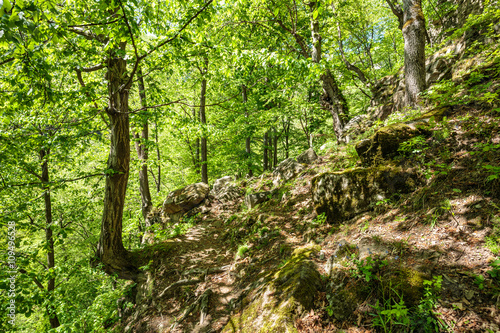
110, 250
142, 152
412, 24
203, 120
266, 139
275, 148
286, 130
197, 147
158, 157
333, 100
51, 312
414, 33
247, 140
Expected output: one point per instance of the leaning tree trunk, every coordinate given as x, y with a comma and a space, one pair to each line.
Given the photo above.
142, 152
110, 250
333, 100
203, 120
414, 33
51, 312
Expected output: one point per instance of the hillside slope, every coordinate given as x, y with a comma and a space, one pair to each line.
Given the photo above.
424, 259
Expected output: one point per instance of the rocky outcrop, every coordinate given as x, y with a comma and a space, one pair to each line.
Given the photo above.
384, 144
253, 199
285, 295
307, 157
182, 200
453, 15
353, 128
388, 92
342, 195
286, 170
224, 190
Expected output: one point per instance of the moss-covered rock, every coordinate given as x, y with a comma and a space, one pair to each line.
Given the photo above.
384, 144
341, 195
286, 294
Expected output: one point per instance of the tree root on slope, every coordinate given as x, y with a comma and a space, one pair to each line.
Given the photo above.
200, 303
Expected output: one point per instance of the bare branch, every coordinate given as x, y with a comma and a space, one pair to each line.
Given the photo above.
91, 69
396, 10
88, 34
92, 24
52, 182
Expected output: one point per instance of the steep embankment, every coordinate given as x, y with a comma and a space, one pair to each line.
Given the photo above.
398, 230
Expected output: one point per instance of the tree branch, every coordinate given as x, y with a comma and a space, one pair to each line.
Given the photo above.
177, 33
396, 10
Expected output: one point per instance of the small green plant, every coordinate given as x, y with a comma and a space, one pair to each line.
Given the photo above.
425, 317
329, 308
242, 251
494, 272
415, 145
320, 219
391, 317
364, 268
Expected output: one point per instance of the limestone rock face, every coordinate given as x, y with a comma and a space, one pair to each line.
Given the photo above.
286, 170
223, 189
185, 199
285, 295
307, 157
342, 195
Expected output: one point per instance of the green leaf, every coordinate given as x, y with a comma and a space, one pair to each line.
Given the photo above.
315, 14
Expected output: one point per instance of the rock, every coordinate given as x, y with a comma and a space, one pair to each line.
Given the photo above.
223, 189
384, 144
286, 170
341, 195
307, 157
351, 129
369, 247
285, 296
220, 183
185, 199
253, 199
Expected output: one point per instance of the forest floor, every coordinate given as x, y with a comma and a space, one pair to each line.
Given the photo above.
447, 228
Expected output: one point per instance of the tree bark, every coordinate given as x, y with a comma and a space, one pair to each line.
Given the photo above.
248, 150
412, 24
265, 162
414, 34
332, 100
197, 146
142, 152
275, 148
203, 120
51, 312
110, 250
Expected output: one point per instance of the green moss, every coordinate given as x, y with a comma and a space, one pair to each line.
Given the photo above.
286, 294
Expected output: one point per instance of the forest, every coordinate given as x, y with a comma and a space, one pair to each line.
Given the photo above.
250, 166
